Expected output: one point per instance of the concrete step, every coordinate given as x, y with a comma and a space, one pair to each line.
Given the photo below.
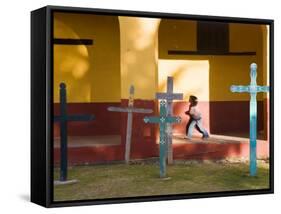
99, 149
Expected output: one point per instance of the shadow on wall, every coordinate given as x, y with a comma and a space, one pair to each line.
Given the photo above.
71, 64
91, 72
86, 68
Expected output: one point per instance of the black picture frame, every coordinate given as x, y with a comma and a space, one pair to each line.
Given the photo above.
42, 108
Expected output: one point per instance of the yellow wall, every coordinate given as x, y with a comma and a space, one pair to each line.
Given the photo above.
139, 54
125, 52
265, 57
92, 73
177, 35
210, 77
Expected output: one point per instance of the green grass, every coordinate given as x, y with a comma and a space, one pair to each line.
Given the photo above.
111, 181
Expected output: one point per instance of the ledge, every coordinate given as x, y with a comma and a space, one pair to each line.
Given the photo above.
182, 52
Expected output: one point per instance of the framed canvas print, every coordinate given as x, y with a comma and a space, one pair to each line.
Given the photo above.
139, 106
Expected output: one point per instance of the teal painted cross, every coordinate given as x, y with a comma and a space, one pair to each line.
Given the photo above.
169, 96
253, 89
163, 120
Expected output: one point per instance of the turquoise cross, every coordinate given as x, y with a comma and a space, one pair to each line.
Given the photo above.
253, 89
169, 96
163, 120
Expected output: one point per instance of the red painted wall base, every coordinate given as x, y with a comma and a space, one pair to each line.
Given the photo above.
216, 118
195, 151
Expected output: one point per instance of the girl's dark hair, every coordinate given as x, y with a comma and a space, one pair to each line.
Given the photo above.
193, 99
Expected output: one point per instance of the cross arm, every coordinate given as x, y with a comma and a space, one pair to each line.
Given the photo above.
249, 88
141, 110
151, 119
119, 109
129, 109
74, 118
169, 97
262, 88
173, 119
239, 88
80, 117
57, 118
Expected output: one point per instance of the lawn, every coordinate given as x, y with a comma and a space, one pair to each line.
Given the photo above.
111, 181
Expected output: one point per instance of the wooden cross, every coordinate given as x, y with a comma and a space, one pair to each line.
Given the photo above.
130, 110
63, 118
64, 41
169, 96
163, 121
253, 89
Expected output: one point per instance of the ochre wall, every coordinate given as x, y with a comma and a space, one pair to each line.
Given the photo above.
139, 54
92, 72
220, 71
209, 77
129, 50
177, 35
96, 74
125, 52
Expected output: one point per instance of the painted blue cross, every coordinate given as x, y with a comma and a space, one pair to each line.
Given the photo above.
163, 120
169, 96
253, 89
63, 118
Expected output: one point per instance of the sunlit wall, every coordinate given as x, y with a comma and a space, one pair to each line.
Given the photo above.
139, 56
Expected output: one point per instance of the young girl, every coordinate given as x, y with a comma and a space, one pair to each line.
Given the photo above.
195, 118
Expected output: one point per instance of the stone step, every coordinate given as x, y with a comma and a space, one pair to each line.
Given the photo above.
91, 150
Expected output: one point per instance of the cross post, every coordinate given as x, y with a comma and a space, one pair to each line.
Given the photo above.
163, 120
63, 118
252, 89
169, 96
130, 110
